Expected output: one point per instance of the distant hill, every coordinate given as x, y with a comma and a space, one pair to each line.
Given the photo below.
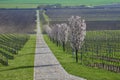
34, 3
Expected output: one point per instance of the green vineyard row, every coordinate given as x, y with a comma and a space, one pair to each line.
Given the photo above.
10, 44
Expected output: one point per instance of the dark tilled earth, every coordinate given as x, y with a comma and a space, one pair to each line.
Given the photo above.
17, 21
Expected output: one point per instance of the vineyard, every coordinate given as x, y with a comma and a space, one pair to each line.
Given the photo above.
10, 44
17, 43
15, 27
101, 49
101, 46
90, 36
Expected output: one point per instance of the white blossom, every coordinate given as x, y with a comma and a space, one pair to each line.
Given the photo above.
63, 32
77, 31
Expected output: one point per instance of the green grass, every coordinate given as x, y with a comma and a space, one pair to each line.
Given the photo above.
63, 2
68, 62
21, 67
46, 18
18, 5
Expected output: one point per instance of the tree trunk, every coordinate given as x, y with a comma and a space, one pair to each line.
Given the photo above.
76, 52
57, 43
81, 57
63, 46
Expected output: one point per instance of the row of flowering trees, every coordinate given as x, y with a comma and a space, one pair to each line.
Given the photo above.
74, 32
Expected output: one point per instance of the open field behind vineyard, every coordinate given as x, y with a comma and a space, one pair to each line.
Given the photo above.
89, 14
17, 21
70, 2
35, 3
99, 19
